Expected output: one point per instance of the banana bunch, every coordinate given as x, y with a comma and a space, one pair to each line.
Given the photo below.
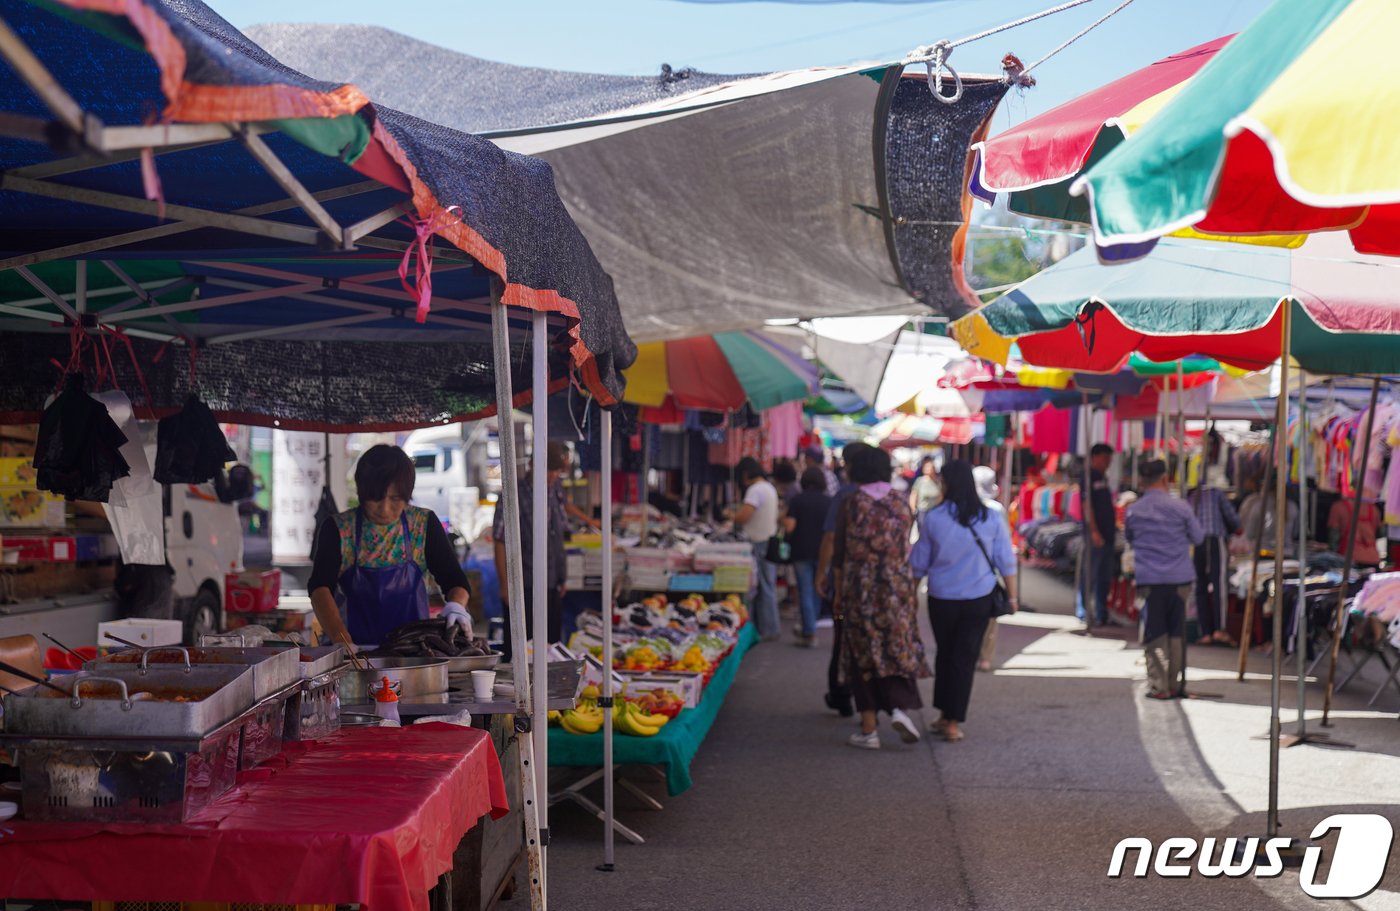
630, 719
586, 719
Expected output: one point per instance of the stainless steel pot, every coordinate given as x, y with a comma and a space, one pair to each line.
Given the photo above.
413, 676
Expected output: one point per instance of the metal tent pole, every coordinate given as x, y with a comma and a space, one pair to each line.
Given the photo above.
1181, 460
607, 601
642, 483
1339, 621
1300, 616
515, 578
1086, 500
1251, 596
1280, 542
539, 496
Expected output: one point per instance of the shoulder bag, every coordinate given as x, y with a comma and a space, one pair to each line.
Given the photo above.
1001, 598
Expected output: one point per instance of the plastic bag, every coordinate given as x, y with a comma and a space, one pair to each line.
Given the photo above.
190, 447
77, 453
135, 509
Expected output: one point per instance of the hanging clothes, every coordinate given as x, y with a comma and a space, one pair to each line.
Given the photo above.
785, 429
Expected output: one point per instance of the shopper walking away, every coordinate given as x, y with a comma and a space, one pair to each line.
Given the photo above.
1218, 521
805, 516
876, 597
927, 490
757, 518
812, 458
988, 490
556, 560
1100, 534
960, 541
838, 695
1161, 530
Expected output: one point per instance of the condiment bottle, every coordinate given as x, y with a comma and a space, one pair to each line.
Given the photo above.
386, 702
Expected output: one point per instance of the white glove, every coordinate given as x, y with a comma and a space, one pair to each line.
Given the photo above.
456, 615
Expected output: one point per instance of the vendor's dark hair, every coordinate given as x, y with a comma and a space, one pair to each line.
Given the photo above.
960, 493
784, 472
749, 469
381, 466
813, 479
1099, 449
870, 466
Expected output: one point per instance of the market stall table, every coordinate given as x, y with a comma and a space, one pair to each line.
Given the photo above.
370, 817
676, 744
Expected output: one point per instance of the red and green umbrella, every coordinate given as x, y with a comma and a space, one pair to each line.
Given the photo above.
721, 372
1036, 161
1290, 128
1219, 300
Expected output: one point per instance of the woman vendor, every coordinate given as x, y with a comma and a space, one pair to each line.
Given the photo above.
373, 559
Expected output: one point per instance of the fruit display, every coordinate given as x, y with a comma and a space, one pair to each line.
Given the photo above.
659, 701
629, 719
693, 660
586, 718
641, 717
641, 658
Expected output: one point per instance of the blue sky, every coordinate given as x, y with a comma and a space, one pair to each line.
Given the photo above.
637, 36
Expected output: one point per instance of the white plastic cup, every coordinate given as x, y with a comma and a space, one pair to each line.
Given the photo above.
484, 685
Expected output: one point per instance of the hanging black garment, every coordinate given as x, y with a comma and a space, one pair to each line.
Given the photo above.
77, 453
190, 447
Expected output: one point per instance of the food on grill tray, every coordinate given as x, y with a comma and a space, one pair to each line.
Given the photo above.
430, 639
104, 690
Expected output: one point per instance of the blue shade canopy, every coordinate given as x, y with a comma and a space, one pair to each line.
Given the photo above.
278, 209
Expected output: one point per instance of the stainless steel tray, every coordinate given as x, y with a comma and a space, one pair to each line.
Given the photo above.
466, 664
274, 669
98, 709
320, 659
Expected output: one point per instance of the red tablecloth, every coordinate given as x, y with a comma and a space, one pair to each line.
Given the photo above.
369, 817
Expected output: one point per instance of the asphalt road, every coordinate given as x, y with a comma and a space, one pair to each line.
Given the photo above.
1063, 758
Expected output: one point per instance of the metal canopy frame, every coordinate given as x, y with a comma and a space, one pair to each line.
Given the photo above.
99, 145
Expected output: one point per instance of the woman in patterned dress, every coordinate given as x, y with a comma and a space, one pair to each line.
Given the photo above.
369, 563
884, 656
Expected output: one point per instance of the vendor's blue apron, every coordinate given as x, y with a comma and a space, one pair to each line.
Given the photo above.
378, 601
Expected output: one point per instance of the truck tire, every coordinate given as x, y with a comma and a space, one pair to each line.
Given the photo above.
203, 616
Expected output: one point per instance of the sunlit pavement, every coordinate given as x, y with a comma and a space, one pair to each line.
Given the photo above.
1063, 758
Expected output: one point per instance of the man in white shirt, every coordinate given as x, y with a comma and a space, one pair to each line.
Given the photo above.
757, 518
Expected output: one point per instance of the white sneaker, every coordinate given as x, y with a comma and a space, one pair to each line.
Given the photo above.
861, 741
904, 726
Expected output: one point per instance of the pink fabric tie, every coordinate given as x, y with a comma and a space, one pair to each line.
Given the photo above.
422, 287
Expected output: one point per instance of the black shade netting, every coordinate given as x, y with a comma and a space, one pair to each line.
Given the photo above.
77, 453
334, 386
926, 154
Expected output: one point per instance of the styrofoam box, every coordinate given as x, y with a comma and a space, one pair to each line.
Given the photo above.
143, 632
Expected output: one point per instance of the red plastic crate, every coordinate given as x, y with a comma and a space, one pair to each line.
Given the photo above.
252, 593
44, 549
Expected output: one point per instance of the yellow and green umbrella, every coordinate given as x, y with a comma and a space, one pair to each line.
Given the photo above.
1290, 128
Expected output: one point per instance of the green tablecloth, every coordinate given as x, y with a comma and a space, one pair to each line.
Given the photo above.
674, 747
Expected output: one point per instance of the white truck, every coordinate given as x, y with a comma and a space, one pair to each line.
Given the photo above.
452, 470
